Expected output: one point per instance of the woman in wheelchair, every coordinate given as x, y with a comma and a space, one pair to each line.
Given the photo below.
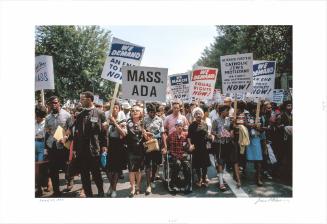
177, 148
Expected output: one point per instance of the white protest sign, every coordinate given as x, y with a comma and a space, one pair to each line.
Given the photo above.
236, 73
203, 83
278, 96
44, 78
144, 83
180, 86
238, 96
122, 53
263, 79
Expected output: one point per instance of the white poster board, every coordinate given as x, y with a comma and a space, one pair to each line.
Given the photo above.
122, 53
44, 78
144, 83
278, 96
263, 79
203, 82
179, 85
236, 72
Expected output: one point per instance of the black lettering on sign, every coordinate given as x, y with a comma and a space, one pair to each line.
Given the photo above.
157, 79
144, 91
130, 76
149, 77
41, 77
142, 77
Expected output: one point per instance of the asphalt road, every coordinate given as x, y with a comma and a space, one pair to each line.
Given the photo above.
271, 187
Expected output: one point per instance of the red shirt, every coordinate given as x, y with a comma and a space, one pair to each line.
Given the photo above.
176, 144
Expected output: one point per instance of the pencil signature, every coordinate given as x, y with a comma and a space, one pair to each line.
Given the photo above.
50, 200
270, 200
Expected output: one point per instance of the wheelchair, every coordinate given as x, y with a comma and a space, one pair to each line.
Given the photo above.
182, 182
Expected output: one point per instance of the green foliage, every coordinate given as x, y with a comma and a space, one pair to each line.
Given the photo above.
265, 42
79, 53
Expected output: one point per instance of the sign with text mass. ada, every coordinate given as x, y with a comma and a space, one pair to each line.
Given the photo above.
122, 53
236, 73
203, 83
44, 78
144, 83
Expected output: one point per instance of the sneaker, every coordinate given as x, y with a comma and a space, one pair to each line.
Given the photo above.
113, 194
153, 185
148, 190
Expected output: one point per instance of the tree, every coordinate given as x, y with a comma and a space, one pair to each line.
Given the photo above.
265, 42
79, 53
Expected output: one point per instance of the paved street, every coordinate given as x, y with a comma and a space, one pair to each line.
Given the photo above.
271, 188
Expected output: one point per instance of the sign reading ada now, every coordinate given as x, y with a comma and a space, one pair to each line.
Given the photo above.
44, 78
180, 86
122, 53
236, 73
263, 79
203, 83
144, 83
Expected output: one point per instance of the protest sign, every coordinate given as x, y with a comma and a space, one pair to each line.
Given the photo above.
122, 53
179, 85
278, 96
238, 96
144, 83
236, 72
44, 78
203, 83
263, 79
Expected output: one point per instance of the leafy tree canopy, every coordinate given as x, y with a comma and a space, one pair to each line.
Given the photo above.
265, 42
79, 53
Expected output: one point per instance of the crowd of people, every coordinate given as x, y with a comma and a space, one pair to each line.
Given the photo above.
100, 139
